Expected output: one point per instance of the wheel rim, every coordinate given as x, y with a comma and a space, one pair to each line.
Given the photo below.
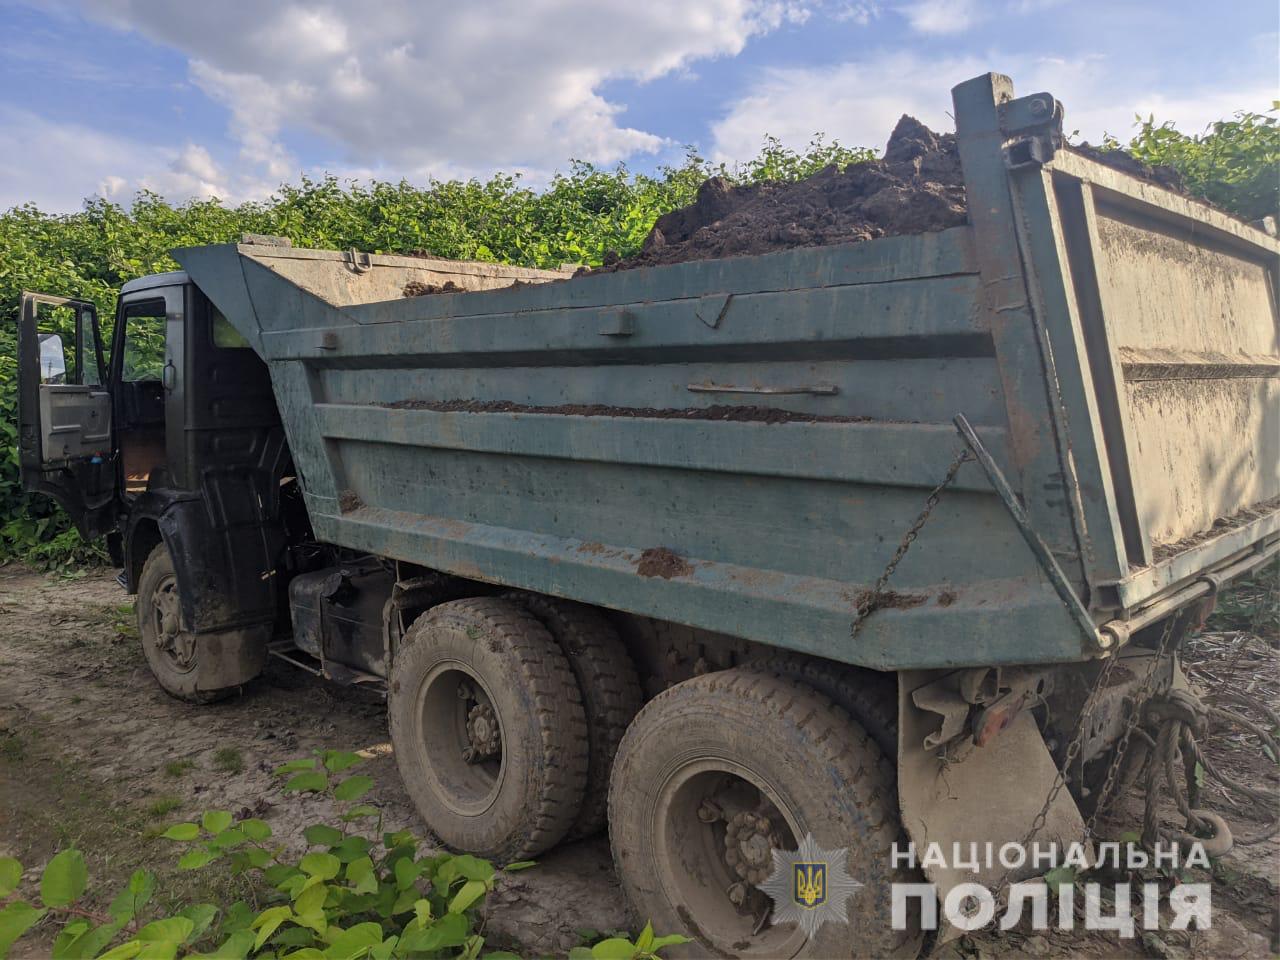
175, 645
459, 732
717, 823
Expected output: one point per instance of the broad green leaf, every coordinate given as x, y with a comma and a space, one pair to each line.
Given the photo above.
182, 831
312, 899
267, 923
361, 876
195, 859
134, 897
351, 848
228, 839
451, 930
313, 781
124, 951
320, 834
255, 829
353, 788
644, 942
293, 766
406, 872
167, 930
422, 912
64, 879
306, 953
201, 916
10, 875
615, 948
235, 947
354, 942
322, 865
470, 892
215, 821
338, 760
520, 865
473, 868
15, 920
363, 810
670, 940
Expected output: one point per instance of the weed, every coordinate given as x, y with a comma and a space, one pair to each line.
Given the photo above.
162, 806
228, 760
178, 768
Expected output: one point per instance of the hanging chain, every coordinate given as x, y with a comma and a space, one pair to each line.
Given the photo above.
869, 600
1140, 699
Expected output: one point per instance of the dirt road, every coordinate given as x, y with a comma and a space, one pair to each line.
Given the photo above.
92, 752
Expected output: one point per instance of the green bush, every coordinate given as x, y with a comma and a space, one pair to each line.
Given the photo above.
349, 897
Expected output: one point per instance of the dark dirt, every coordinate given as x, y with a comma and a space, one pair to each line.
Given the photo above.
662, 562
1163, 551
744, 414
892, 600
349, 501
917, 188
416, 288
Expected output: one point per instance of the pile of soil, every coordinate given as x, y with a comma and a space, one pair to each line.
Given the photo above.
917, 188
417, 288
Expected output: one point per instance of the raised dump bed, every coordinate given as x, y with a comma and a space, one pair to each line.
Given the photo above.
740, 445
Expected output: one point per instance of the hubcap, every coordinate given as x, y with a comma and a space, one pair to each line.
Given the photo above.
460, 734
172, 642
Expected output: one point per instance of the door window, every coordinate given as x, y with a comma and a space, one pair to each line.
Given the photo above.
143, 341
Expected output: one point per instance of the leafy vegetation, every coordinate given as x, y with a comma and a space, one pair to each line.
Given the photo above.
579, 217
1234, 164
348, 897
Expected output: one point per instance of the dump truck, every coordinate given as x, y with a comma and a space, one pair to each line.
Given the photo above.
850, 545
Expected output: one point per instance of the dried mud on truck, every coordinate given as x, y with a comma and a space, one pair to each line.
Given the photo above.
860, 512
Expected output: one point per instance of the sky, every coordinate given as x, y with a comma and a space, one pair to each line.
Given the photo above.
230, 98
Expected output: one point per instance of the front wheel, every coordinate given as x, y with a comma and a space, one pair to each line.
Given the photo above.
724, 785
198, 668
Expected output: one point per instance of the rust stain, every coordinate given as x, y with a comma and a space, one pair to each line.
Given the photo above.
663, 562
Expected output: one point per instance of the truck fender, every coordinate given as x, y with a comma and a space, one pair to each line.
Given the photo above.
226, 577
966, 801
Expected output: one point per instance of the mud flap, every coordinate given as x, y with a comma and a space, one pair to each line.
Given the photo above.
962, 794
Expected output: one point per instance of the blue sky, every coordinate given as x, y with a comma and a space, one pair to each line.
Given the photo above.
232, 98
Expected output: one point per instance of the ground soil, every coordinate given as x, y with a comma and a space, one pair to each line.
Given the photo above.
86, 737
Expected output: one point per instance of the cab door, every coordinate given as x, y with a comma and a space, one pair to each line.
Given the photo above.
64, 410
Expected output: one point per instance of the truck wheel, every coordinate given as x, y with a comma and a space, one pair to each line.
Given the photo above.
196, 668
610, 688
869, 697
718, 773
488, 728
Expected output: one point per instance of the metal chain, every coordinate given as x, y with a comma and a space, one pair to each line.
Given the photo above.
1145, 692
868, 600
1073, 747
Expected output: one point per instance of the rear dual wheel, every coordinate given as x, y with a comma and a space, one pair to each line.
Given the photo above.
720, 773
488, 728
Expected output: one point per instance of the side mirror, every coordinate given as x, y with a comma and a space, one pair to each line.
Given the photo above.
53, 363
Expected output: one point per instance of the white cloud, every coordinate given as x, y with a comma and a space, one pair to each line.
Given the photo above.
940, 16
852, 102
440, 88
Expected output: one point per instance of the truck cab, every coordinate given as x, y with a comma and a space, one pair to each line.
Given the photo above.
161, 433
